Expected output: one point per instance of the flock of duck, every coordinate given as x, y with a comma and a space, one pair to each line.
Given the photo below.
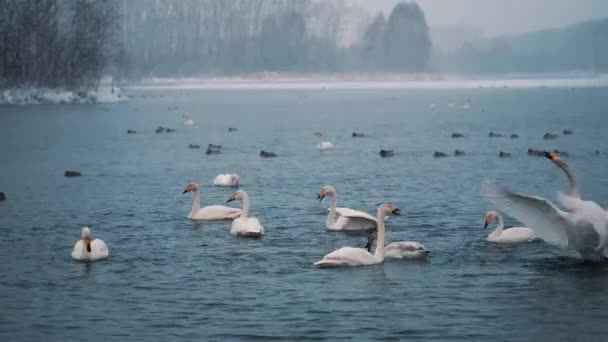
582, 225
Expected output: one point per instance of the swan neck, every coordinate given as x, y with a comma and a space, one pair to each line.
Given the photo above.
379, 253
245, 201
500, 226
196, 201
331, 218
571, 179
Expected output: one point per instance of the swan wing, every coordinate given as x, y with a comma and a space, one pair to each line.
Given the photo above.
546, 220
406, 250
250, 226
406, 246
78, 252
99, 249
347, 256
227, 180
350, 213
216, 212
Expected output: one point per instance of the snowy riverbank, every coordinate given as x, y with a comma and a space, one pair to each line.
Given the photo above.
27, 96
373, 81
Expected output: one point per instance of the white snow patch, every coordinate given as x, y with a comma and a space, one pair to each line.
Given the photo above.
26, 96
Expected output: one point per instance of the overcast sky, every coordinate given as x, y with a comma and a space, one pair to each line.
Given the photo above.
496, 17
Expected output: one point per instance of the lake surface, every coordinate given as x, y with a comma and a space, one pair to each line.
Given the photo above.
168, 278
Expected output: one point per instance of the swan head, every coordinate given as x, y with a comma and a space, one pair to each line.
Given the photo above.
236, 196
388, 209
554, 156
328, 189
490, 216
190, 187
85, 233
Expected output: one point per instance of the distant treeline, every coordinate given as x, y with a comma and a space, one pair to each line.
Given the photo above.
71, 44
583, 47
210, 36
56, 43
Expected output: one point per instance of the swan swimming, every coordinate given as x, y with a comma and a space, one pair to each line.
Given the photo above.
411, 250
350, 256
88, 249
508, 235
348, 219
582, 227
228, 179
244, 225
325, 145
188, 120
212, 212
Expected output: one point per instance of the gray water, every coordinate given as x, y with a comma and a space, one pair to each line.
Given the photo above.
169, 278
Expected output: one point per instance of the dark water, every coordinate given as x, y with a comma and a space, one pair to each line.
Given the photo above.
168, 278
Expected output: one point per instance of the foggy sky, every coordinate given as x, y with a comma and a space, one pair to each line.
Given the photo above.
496, 17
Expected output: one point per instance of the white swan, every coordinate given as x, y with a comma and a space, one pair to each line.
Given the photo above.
188, 120
411, 250
348, 219
350, 256
228, 179
325, 145
212, 212
244, 225
583, 227
88, 249
508, 235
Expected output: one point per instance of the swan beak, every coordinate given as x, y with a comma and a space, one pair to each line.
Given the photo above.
486, 223
186, 190
321, 195
396, 211
230, 199
552, 155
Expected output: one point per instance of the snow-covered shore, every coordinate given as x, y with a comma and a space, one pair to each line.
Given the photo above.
27, 96
271, 80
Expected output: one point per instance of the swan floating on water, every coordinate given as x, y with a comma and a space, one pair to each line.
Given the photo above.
344, 218
188, 120
410, 250
350, 256
244, 225
228, 179
582, 227
325, 145
212, 212
89, 249
507, 235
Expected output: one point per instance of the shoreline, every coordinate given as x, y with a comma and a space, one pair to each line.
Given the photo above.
278, 81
